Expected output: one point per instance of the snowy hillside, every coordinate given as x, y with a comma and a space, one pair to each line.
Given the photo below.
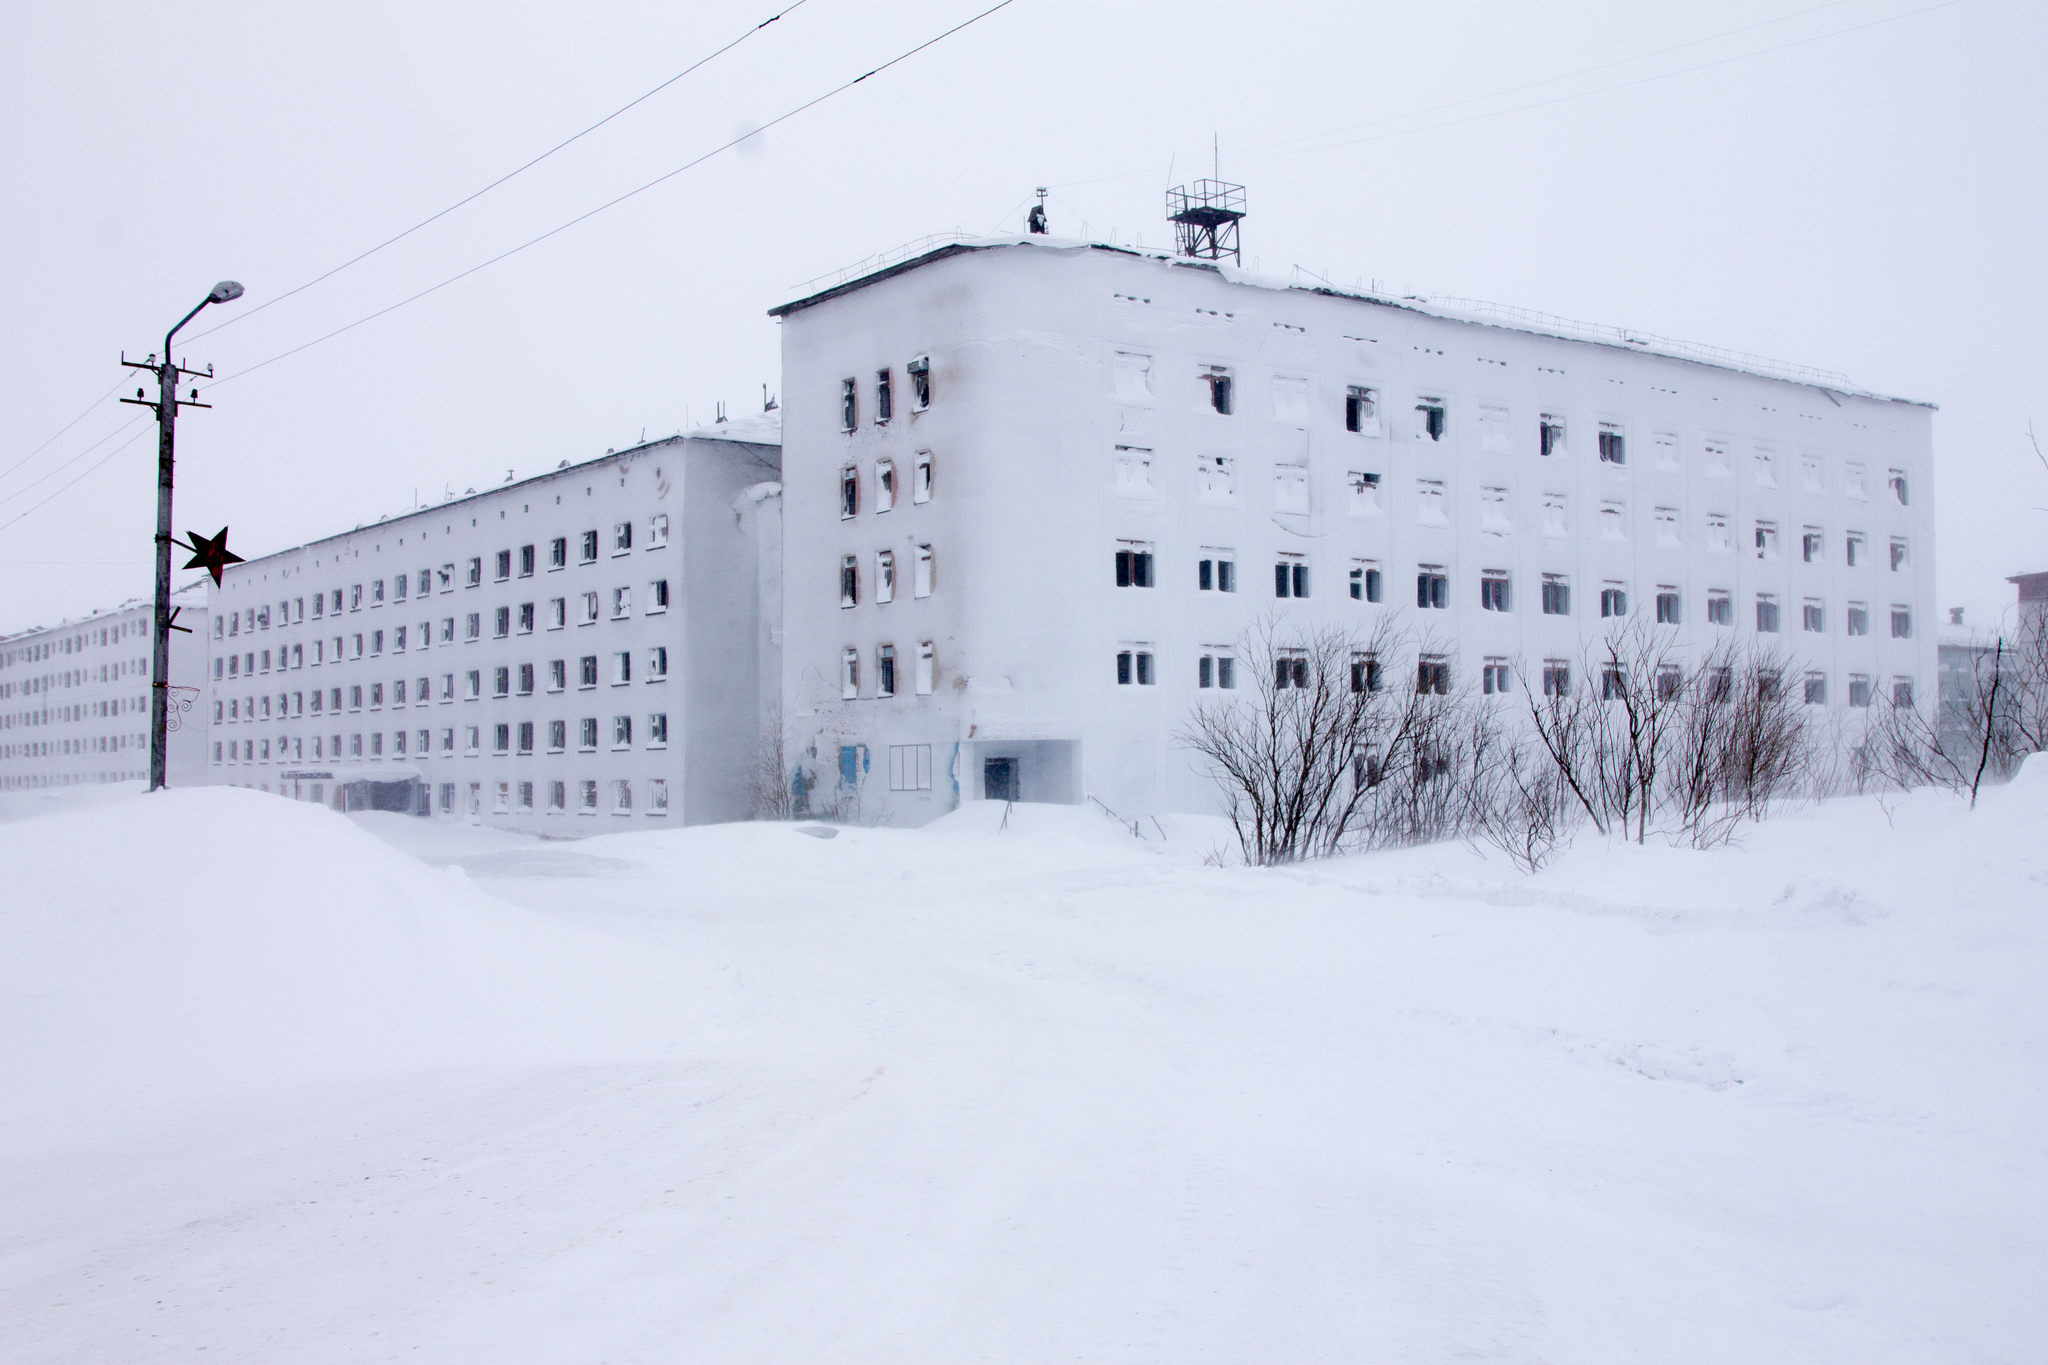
287, 1086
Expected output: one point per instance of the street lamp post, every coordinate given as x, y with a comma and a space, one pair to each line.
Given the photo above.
167, 404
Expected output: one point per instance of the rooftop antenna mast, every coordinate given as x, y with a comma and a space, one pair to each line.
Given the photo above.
1205, 214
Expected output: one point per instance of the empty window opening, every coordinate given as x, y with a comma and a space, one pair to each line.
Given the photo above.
1218, 380
1896, 481
885, 576
885, 671
926, 668
1613, 521
1365, 581
1134, 472
1430, 424
1856, 619
920, 371
1902, 622
1853, 481
1812, 545
1902, 692
1429, 503
921, 573
1549, 434
849, 674
885, 406
849, 404
1365, 494
1613, 444
1813, 616
1852, 549
1362, 411
849, 492
1556, 515
849, 581
1859, 689
1766, 540
1816, 689
921, 478
1900, 557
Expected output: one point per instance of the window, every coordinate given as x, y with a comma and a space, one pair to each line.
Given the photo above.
910, 767
1493, 512
1900, 558
586, 671
885, 406
1493, 429
1215, 478
1218, 380
1549, 434
586, 797
1766, 464
849, 492
1613, 521
1816, 689
1813, 473
355, 696
1613, 683
1134, 665
1667, 605
622, 603
1813, 616
622, 732
926, 668
885, 671
1433, 675
1493, 590
589, 609
472, 739
472, 627
920, 371
558, 736
1216, 571
447, 740
1767, 613
1613, 600
558, 552
1666, 519
558, 797
657, 663
622, 537
921, 573
1133, 472
476, 571
1902, 622
501, 682
1719, 539
1365, 580
1430, 419
1362, 411
1856, 620
657, 729
1134, 565
1896, 481
1557, 678
504, 567
849, 404
1902, 691
885, 485
355, 596
1859, 689
525, 681
1852, 549
849, 674
1766, 540
1432, 587
525, 566
1812, 545
502, 623
1429, 503
1613, 444
1290, 669
1556, 515
1290, 576
501, 739
1365, 673
558, 612
1217, 668
1493, 676
590, 547
1557, 595
586, 734
1720, 608
1290, 490
1853, 481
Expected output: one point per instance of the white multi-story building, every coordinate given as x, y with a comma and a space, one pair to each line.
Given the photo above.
1037, 491
587, 645
74, 699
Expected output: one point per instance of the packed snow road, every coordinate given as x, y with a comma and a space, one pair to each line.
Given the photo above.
293, 1087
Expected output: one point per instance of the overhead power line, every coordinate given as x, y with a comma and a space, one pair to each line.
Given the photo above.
73, 460
87, 470
471, 198
614, 203
90, 408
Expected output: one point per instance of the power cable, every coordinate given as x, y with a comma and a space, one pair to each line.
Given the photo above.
249, 313
74, 459
66, 427
87, 470
613, 203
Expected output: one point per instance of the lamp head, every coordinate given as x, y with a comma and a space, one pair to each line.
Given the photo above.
225, 292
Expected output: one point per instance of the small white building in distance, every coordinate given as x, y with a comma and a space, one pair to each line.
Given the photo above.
560, 654
74, 699
1036, 491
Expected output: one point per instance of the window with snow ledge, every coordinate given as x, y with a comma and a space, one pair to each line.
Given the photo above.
1613, 599
1365, 494
1290, 399
1813, 616
920, 371
921, 573
1362, 410
1556, 515
885, 485
849, 404
1896, 481
1901, 558
1493, 589
1133, 472
1557, 678
1134, 564
1134, 666
1902, 621
1550, 433
1216, 570
1557, 594
849, 581
1720, 539
1131, 373
1714, 456
1290, 490
1493, 429
1856, 619
1217, 667
1812, 545
657, 536
1854, 481
1767, 620
849, 673
885, 671
1217, 380
1290, 575
657, 663
1613, 444
657, 597
1764, 460
927, 668
849, 492
1366, 674
1494, 676
1429, 503
1668, 612
921, 478
885, 576
1666, 519
1613, 521
1720, 607
1432, 418
1664, 451
1366, 583
885, 397
1902, 692
1290, 669
1852, 549
1432, 587
1813, 475
1859, 689
1767, 540
1433, 675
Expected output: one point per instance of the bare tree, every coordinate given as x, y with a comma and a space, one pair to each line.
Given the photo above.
769, 782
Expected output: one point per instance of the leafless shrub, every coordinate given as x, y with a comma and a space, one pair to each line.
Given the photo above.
770, 782
1980, 733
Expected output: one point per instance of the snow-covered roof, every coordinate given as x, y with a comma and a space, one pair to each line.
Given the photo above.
875, 269
190, 595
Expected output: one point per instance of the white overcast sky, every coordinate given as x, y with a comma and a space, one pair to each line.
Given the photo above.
1856, 186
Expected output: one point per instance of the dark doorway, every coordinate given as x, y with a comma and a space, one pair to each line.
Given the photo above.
999, 779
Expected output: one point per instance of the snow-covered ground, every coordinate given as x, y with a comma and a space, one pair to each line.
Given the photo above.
286, 1086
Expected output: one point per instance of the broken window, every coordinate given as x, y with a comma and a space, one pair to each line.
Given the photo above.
1134, 666
1667, 605
920, 371
657, 662
657, 536
1766, 540
1133, 472
503, 566
1720, 607
885, 407
1429, 503
849, 581
921, 573
1493, 590
1216, 571
1362, 411
1852, 549
1896, 481
1493, 428
849, 674
1816, 689
849, 492
910, 767
1664, 451
1719, 538
926, 666
589, 608
1556, 515
558, 554
1432, 587
1132, 373
1290, 399
590, 547
1365, 580
849, 404
1859, 689
1666, 519
1812, 545
1902, 622
622, 732
1290, 576
885, 485
885, 671
1430, 425
1218, 380
1813, 473
1365, 494
1856, 619
1766, 461
1290, 669
1557, 595
1613, 521
1433, 675
1134, 565
1715, 454
1900, 558
1813, 616
1767, 613
1493, 512
586, 671
1613, 444
1290, 490
1613, 600
1557, 678
1549, 434
1493, 676
622, 603
885, 576
921, 478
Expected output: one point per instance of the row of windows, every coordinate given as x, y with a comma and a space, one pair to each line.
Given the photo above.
72, 643
920, 372
506, 680
887, 679
292, 611
505, 738
505, 621
76, 712
65, 748
885, 485
885, 576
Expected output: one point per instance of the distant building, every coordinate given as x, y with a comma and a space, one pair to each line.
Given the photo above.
74, 699
2033, 588
588, 645
1036, 491
1961, 669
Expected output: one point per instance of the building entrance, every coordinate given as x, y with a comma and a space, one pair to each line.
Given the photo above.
999, 779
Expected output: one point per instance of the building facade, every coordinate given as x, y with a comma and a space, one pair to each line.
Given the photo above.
74, 699
1037, 493
576, 650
